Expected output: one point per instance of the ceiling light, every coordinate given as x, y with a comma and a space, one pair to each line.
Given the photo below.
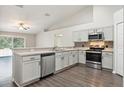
22, 26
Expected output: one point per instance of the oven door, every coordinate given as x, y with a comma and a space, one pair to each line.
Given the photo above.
93, 57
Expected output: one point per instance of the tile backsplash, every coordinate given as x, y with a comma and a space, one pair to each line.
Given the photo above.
81, 44
108, 44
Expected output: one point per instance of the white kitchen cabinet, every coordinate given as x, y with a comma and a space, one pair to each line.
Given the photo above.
58, 61
82, 57
26, 69
75, 36
70, 58
83, 35
62, 60
108, 33
31, 71
107, 60
73, 57
65, 59
80, 36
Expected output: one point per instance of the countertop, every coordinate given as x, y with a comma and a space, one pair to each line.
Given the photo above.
108, 50
33, 53
42, 51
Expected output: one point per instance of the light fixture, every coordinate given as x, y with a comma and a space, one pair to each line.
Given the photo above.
22, 26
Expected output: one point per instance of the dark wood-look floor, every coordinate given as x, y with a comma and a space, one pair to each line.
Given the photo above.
78, 76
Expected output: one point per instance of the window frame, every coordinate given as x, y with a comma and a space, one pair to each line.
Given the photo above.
13, 40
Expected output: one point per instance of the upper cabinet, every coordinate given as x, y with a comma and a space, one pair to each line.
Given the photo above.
80, 36
83, 35
108, 33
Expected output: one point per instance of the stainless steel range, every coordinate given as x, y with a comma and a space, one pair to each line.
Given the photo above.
94, 58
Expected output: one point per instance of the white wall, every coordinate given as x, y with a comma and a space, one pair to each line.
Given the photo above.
83, 16
45, 39
102, 16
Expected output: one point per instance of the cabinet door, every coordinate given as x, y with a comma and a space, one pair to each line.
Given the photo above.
82, 57
107, 60
70, 58
75, 36
58, 61
66, 59
83, 35
31, 70
108, 33
75, 57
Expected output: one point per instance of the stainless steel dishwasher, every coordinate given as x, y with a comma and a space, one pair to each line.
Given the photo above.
47, 64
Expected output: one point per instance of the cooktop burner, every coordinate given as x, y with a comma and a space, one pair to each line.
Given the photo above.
95, 49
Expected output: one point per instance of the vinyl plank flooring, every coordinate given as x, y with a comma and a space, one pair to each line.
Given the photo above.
77, 76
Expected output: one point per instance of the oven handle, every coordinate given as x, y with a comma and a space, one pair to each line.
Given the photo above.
93, 52
87, 61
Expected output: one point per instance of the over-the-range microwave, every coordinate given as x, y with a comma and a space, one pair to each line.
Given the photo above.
96, 36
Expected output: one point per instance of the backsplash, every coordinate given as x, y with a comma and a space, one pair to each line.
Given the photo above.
81, 44
108, 44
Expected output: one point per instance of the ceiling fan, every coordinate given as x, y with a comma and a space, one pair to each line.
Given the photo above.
23, 26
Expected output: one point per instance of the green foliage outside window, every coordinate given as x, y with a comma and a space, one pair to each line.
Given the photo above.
18, 42
5, 42
11, 42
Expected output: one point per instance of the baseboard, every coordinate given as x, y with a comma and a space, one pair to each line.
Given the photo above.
25, 84
81, 64
61, 70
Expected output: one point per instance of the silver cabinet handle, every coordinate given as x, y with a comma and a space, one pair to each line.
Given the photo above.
32, 58
73, 55
62, 58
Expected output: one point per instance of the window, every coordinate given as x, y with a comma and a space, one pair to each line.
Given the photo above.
5, 42
18, 42
11, 42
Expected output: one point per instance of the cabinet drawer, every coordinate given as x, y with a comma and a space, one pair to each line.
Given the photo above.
107, 54
74, 52
31, 58
81, 52
58, 54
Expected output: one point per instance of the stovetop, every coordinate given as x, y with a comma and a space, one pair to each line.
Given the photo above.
95, 49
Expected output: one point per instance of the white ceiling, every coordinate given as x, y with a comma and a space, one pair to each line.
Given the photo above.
34, 16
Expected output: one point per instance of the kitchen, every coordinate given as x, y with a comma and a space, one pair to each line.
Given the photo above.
79, 50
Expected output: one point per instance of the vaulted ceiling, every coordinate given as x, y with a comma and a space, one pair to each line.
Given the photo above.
37, 17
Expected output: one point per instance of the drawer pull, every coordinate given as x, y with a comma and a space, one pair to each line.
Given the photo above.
32, 58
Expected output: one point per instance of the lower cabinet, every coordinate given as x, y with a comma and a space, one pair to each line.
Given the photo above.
82, 57
73, 57
31, 70
107, 60
26, 69
65, 59
58, 61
